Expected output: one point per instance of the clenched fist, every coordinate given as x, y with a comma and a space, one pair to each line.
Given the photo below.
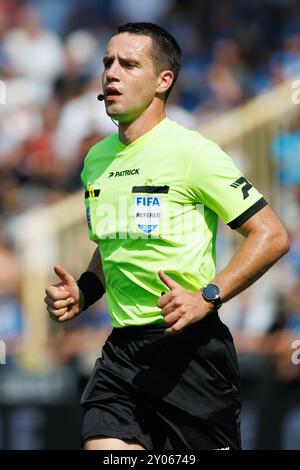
64, 300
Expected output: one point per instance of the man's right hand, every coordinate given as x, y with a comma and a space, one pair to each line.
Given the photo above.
64, 300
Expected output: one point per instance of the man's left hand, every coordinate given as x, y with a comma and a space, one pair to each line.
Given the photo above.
180, 307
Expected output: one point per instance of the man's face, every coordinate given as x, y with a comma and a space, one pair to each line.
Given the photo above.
129, 80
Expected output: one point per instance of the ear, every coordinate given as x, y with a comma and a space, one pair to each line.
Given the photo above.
165, 80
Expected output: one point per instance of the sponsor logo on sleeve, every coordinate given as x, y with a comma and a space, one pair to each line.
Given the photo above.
88, 217
244, 185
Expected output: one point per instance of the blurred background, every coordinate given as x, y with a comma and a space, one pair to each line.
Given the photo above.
240, 86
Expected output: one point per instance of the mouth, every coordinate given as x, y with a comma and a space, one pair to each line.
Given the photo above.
112, 93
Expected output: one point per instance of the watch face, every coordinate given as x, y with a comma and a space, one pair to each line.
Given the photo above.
211, 291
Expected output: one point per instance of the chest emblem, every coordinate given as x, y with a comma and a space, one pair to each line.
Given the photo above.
148, 212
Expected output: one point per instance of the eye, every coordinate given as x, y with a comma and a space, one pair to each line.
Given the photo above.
107, 63
128, 64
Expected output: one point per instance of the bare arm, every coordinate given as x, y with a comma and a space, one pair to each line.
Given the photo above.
266, 240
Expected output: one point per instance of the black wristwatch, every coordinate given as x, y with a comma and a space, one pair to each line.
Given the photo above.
211, 293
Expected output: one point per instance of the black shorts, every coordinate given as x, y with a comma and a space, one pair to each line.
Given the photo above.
154, 388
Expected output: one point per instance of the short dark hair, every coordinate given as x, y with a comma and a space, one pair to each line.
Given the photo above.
166, 51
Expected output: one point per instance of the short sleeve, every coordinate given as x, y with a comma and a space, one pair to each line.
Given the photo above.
214, 180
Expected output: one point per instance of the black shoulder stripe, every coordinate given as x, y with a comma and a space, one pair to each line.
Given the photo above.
248, 213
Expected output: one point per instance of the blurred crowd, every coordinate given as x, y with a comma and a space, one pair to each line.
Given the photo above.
51, 63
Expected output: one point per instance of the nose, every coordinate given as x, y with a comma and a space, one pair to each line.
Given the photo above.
112, 73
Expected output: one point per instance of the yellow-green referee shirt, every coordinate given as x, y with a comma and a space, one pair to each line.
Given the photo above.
154, 204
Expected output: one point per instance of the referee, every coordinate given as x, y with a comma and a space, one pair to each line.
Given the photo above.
153, 195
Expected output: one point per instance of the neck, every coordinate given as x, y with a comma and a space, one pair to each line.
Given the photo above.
130, 131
